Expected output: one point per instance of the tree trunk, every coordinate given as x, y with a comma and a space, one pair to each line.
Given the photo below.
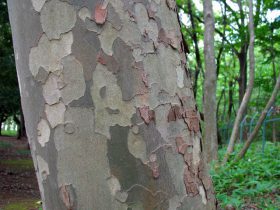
249, 89
198, 68
109, 110
260, 120
274, 124
210, 82
242, 80
22, 125
230, 98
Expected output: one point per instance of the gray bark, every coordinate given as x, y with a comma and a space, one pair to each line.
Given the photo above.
110, 113
210, 83
249, 89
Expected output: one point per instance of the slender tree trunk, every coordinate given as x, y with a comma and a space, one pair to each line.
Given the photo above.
198, 68
110, 113
242, 81
230, 98
260, 120
249, 89
210, 82
219, 103
22, 124
274, 128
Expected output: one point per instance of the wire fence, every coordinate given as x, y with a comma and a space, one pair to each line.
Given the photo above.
270, 129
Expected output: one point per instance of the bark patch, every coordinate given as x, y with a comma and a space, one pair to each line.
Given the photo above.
189, 115
100, 14
67, 196
146, 114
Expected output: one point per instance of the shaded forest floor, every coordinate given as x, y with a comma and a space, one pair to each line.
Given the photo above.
18, 184
253, 183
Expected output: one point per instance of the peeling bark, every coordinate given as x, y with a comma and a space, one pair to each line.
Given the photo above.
98, 81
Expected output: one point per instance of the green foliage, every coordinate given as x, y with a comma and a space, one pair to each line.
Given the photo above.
20, 164
254, 179
9, 92
23, 205
9, 133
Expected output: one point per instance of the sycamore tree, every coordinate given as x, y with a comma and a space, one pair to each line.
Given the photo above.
109, 107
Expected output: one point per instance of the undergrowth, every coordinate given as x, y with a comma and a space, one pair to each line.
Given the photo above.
252, 181
9, 133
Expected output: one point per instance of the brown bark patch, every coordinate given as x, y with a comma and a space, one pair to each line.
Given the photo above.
67, 196
170, 38
146, 114
108, 61
190, 117
192, 120
190, 182
181, 145
171, 4
100, 14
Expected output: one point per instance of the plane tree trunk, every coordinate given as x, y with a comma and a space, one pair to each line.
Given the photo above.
109, 108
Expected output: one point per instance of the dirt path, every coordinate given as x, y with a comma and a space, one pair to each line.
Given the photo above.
18, 184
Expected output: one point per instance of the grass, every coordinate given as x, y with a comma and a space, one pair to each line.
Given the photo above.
9, 133
252, 180
18, 164
23, 205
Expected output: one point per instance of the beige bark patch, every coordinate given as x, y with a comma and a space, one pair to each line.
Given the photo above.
196, 151
114, 185
43, 168
168, 18
107, 37
146, 26
43, 132
59, 137
180, 76
56, 18
92, 149
55, 114
38, 4
49, 53
84, 13
174, 202
130, 33
73, 78
161, 70
113, 100
137, 54
137, 146
51, 91
203, 195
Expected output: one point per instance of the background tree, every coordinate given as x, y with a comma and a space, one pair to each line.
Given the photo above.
210, 82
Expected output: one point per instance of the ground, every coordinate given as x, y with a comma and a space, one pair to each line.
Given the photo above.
18, 184
251, 184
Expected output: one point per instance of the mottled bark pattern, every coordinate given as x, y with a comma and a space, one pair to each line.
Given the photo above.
110, 112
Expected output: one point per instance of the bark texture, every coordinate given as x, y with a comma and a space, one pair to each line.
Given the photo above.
210, 85
110, 112
249, 89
